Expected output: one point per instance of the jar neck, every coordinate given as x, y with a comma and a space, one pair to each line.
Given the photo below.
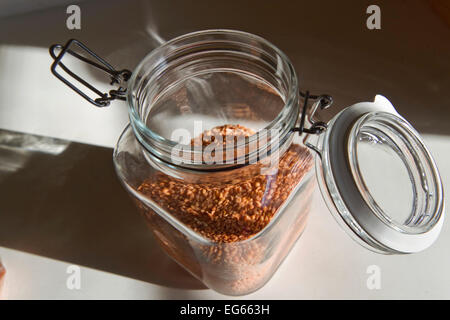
212, 51
267, 165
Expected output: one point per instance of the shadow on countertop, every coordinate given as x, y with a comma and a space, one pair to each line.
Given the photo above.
62, 200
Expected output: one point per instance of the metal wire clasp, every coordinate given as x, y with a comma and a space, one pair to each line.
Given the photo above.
117, 76
322, 102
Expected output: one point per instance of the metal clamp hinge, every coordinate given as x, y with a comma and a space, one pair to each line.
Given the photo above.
117, 76
322, 102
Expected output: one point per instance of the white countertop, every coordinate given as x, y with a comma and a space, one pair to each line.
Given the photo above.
324, 264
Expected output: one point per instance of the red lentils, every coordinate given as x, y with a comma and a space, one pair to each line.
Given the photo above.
233, 211
227, 212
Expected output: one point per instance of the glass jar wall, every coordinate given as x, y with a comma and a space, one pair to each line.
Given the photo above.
230, 223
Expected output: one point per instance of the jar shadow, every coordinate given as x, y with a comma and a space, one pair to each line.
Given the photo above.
62, 200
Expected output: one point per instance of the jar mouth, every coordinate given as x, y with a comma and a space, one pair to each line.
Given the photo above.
222, 59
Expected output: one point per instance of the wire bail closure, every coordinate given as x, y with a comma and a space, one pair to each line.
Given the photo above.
317, 127
117, 76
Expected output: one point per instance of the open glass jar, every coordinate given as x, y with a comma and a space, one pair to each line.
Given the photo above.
219, 157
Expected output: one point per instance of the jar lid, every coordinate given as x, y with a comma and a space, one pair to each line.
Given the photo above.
379, 179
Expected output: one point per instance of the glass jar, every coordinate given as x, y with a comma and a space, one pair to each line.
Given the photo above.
229, 211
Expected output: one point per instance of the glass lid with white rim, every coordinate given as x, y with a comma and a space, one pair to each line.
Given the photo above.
379, 179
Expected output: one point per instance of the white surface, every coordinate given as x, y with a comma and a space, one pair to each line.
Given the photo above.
325, 263
32, 100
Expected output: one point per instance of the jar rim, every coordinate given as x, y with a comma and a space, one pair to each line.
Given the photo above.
160, 146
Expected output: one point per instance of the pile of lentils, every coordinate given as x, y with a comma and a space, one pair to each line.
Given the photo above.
235, 210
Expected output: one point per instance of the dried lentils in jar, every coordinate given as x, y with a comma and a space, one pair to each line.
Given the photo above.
227, 211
